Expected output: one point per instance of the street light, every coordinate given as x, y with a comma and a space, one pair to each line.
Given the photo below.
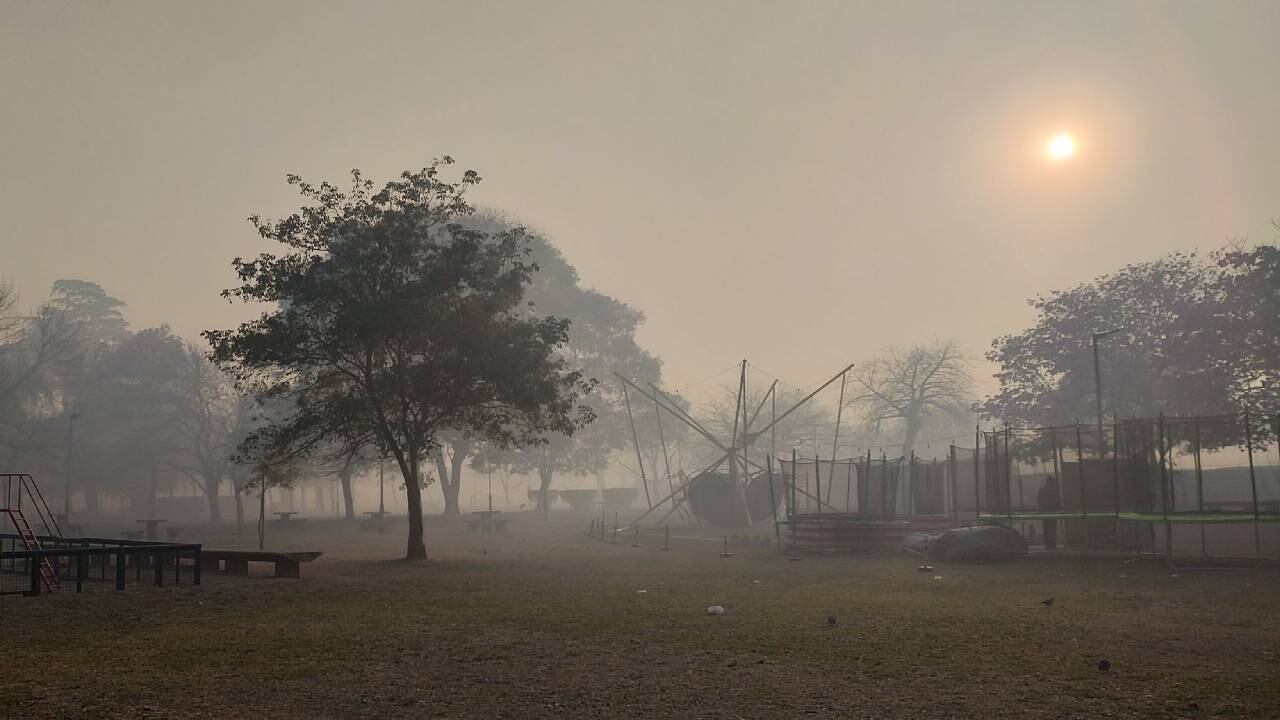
66, 497
1097, 386
382, 508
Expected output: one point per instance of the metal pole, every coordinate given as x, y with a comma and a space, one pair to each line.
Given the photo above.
1164, 491
1097, 383
1253, 482
66, 500
382, 508
773, 503
1115, 472
864, 487
848, 487
817, 479
835, 442
666, 457
1084, 502
794, 509
1097, 392
262, 513
1204, 543
911, 486
951, 482
636, 441
1008, 475
977, 472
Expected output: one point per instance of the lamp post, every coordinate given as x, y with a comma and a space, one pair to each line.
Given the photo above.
1097, 386
66, 496
382, 508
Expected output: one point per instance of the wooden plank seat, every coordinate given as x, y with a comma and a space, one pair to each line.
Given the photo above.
288, 564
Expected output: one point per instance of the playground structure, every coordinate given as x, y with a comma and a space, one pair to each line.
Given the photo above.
868, 504
744, 493
37, 558
1174, 487
1171, 486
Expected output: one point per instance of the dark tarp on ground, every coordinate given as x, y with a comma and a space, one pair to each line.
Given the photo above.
978, 543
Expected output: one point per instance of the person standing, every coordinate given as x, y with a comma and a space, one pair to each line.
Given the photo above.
1049, 502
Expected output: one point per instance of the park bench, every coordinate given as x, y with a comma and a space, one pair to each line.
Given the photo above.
288, 564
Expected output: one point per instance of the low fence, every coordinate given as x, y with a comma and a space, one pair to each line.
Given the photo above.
88, 564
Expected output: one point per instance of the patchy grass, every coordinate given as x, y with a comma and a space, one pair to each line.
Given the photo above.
549, 623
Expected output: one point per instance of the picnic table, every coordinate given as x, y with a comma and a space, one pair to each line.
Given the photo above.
153, 527
285, 516
376, 516
288, 564
486, 521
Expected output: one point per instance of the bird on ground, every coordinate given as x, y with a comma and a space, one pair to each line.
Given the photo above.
1047, 602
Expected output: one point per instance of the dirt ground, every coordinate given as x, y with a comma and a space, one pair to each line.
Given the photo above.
547, 622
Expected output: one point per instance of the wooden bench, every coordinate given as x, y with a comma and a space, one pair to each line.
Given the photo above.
288, 564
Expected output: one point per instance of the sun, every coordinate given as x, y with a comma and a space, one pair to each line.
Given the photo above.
1060, 147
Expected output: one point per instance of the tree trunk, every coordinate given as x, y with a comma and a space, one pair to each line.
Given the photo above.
235, 489
544, 475
447, 488
348, 503
913, 431
456, 461
262, 515
211, 494
416, 549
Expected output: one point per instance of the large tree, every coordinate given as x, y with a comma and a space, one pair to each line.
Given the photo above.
1193, 337
34, 349
128, 402
86, 303
393, 324
602, 342
206, 419
913, 389
1238, 330
1046, 373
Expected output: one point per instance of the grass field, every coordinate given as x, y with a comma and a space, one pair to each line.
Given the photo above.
546, 622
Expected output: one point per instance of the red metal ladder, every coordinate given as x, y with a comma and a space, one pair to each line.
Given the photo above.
16, 487
32, 542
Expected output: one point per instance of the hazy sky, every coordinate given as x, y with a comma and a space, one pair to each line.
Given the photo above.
799, 183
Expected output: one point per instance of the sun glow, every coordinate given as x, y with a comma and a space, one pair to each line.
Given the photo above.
1060, 147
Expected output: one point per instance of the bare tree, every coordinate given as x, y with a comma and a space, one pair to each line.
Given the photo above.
913, 388
32, 347
205, 421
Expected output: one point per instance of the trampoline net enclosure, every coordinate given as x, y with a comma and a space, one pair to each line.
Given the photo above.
1206, 486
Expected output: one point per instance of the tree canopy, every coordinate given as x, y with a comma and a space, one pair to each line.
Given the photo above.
913, 389
394, 323
1194, 336
602, 342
